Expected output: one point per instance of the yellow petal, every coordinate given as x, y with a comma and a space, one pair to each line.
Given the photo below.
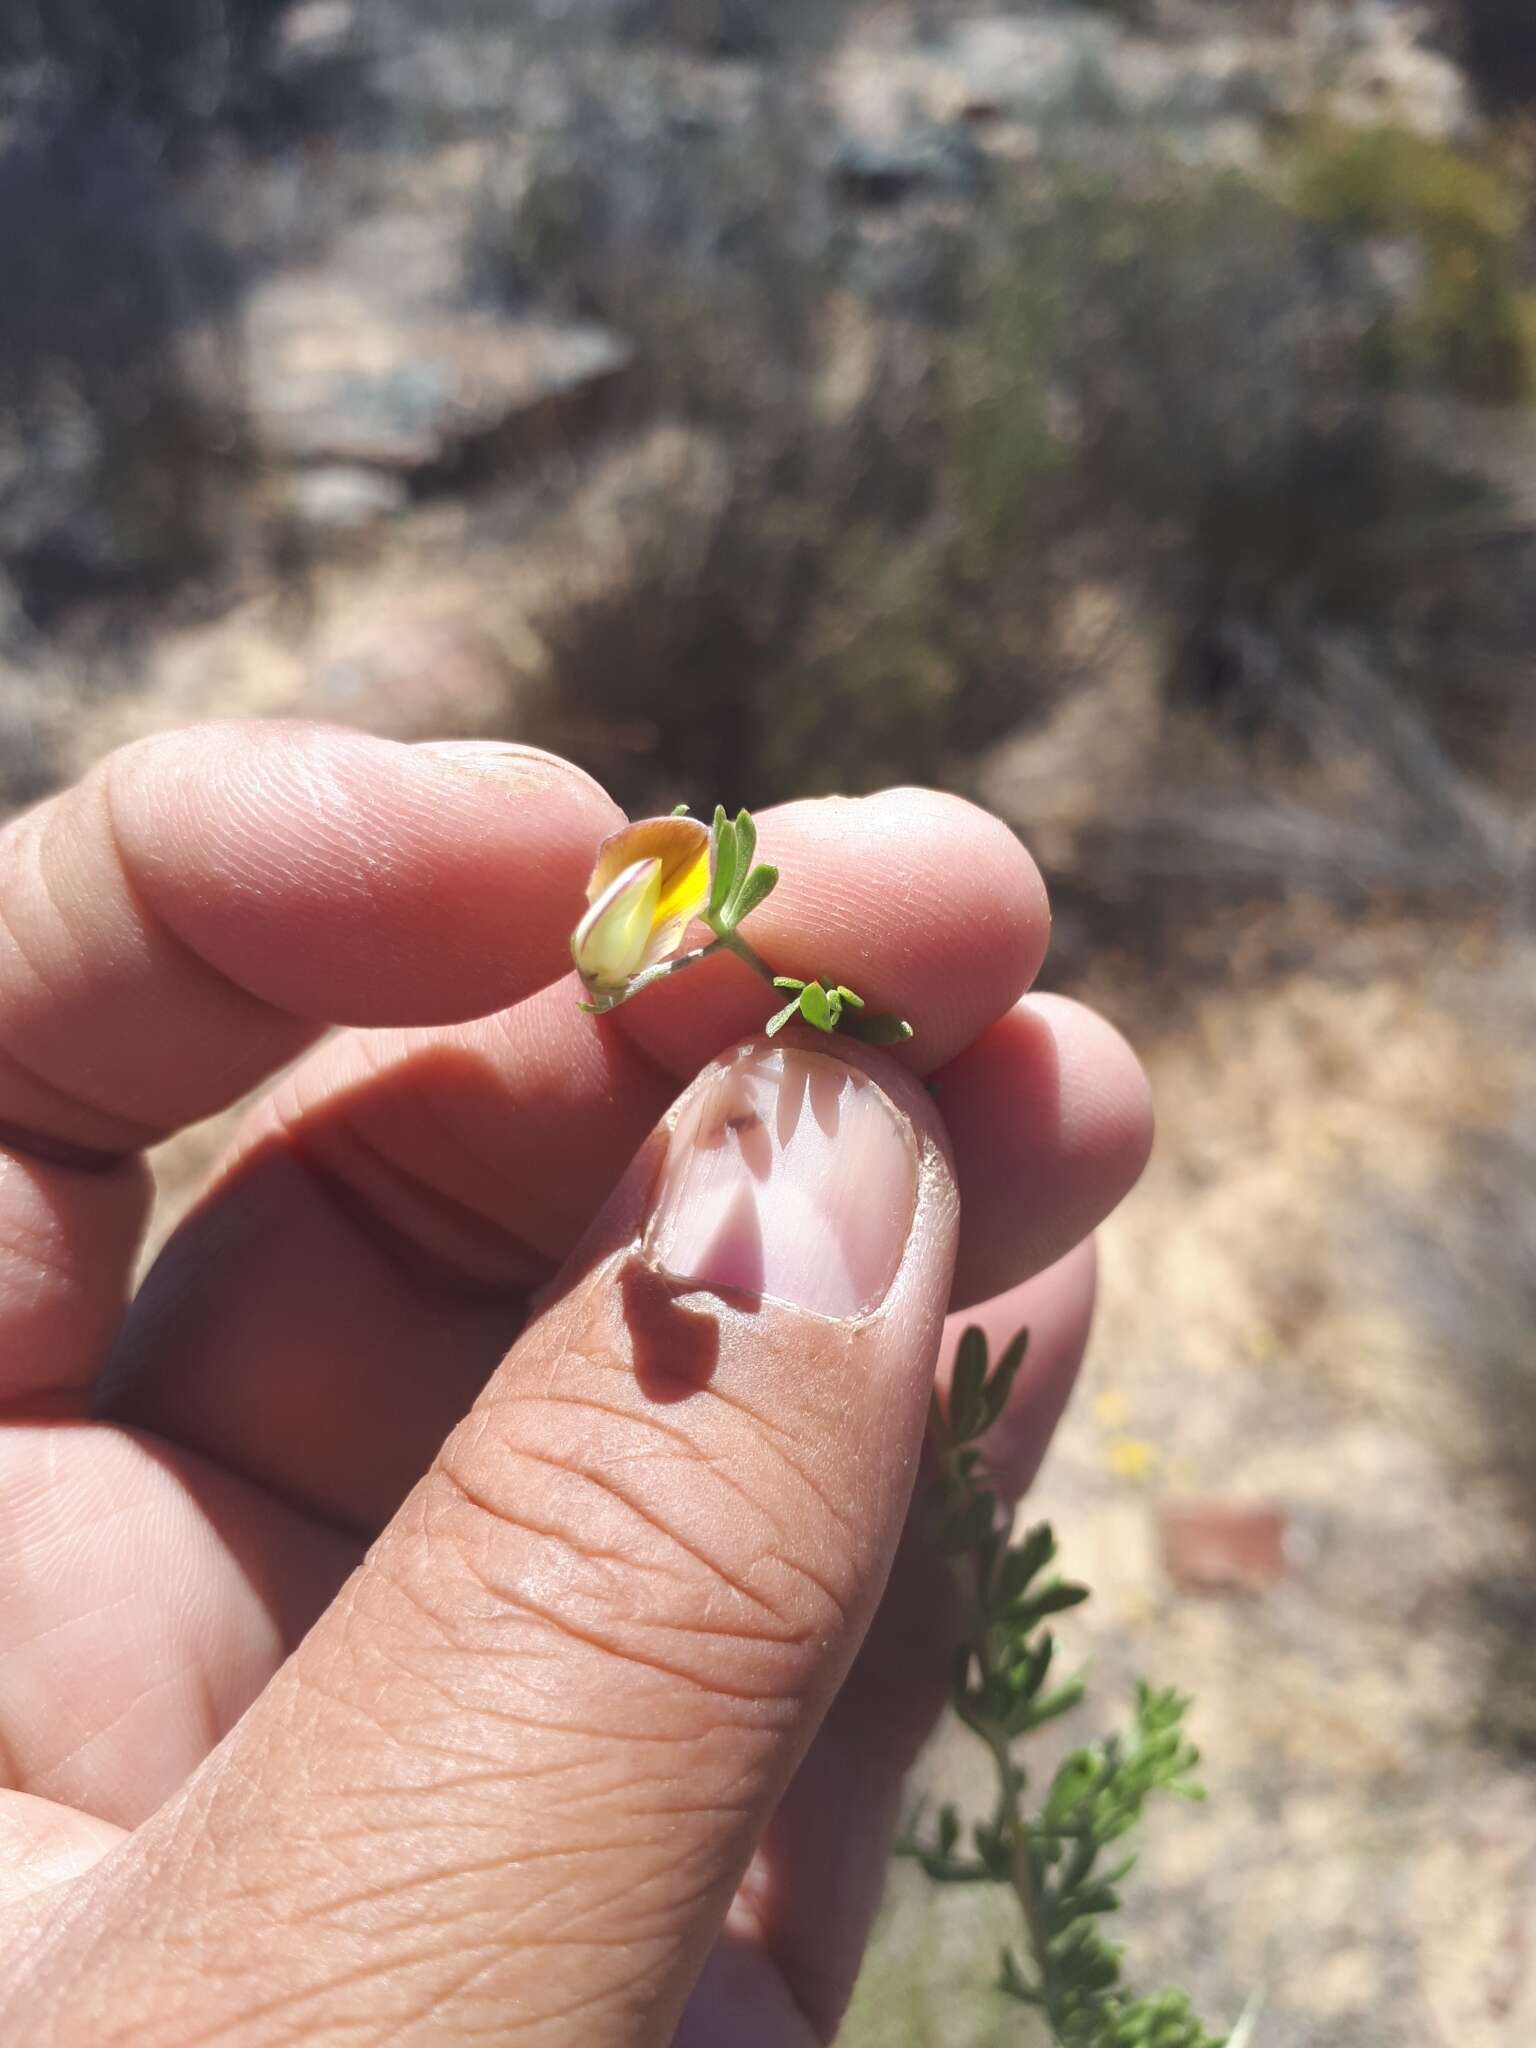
613, 940
682, 845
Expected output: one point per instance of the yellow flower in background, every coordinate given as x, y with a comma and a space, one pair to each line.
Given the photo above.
649, 883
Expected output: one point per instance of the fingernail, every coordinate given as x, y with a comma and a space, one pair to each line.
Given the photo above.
510, 761
493, 755
788, 1175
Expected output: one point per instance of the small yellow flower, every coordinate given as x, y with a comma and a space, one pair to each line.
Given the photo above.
1130, 1458
650, 881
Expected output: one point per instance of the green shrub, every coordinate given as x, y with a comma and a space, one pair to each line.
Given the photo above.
1472, 329
711, 248
1155, 381
117, 400
1164, 367
1163, 383
797, 630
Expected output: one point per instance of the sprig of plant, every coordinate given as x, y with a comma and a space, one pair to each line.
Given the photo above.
1053, 1859
653, 879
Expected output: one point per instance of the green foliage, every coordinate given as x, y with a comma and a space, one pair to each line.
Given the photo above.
1163, 364
824, 567
1054, 1859
1170, 382
706, 246
1474, 327
1173, 381
736, 887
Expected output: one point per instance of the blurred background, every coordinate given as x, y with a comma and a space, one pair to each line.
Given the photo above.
1122, 413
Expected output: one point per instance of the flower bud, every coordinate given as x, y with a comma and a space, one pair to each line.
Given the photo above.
649, 882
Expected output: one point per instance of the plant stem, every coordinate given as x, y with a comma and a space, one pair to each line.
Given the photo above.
673, 966
733, 942
1023, 1879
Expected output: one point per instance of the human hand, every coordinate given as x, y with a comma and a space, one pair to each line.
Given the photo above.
441, 1607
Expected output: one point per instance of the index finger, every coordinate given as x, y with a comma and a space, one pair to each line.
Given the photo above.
203, 903
191, 915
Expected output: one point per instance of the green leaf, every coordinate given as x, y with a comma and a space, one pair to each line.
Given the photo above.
813, 1006
966, 1383
1053, 1599
1028, 1558
746, 841
780, 1018
1072, 1784
834, 1008
1000, 1386
854, 1002
1013, 1982
1095, 1898
679, 810
1054, 1704
755, 889
724, 878
886, 1029
788, 981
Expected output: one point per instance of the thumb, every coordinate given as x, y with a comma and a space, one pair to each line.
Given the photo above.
506, 1787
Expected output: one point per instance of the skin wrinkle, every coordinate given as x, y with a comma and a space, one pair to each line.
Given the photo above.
98, 1735
416, 1882
231, 2031
516, 1397
752, 1500
456, 1137
591, 1477
602, 1351
39, 1144
775, 1435
152, 933
590, 1639
594, 1907
626, 1988
297, 1502
648, 1070
158, 929
576, 1851
409, 1247
583, 1404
